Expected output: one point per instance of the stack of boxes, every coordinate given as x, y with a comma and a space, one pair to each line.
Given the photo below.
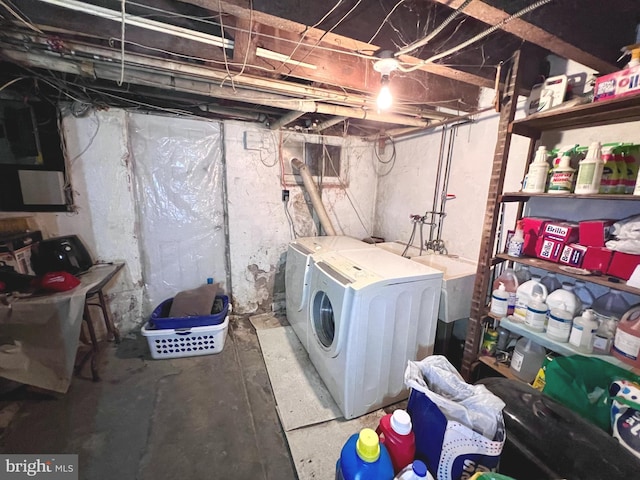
576, 244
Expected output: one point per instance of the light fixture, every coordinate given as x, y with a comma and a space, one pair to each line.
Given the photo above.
385, 64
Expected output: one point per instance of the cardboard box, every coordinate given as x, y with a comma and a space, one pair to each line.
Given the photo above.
573, 254
597, 258
623, 264
15, 250
532, 229
566, 232
617, 84
594, 233
549, 249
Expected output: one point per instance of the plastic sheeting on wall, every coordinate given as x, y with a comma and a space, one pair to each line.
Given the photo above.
178, 172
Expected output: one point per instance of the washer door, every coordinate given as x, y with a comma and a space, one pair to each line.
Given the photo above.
323, 320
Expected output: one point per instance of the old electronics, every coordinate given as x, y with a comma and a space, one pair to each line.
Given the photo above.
66, 253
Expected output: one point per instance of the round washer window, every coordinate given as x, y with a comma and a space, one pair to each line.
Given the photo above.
323, 320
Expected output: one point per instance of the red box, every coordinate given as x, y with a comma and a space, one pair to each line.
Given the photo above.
573, 254
532, 229
549, 249
594, 233
617, 84
597, 258
623, 264
566, 232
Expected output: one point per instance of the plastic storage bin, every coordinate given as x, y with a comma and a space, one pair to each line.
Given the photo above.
186, 342
160, 319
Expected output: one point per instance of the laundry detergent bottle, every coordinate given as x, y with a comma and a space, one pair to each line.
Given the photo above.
510, 281
626, 345
590, 171
414, 471
363, 458
396, 433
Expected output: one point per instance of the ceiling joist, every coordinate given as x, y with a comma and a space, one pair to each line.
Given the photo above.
528, 31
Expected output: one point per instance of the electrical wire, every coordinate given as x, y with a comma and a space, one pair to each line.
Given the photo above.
436, 31
477, 37
292, 227
11, 82
324, 34
205, 20
385, 20
224, 52
13, 12
306, 30
122, 31
392, 158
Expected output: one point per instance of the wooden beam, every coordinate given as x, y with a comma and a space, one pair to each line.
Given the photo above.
315, 35
522, 28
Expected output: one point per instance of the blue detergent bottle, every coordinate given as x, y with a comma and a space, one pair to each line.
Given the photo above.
363, 458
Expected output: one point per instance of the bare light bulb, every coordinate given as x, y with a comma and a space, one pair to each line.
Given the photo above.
385, 100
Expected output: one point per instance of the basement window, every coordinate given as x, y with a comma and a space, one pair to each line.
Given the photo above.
322, 155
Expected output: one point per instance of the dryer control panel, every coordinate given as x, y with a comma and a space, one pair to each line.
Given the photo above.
339, 266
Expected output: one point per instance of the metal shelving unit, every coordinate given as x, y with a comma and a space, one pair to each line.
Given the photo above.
609, 112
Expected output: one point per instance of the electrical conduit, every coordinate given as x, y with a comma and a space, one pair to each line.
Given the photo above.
316, 200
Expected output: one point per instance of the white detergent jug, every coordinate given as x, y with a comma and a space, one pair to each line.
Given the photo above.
565, 299
524, 294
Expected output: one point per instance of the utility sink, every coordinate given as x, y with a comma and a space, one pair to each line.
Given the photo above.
398, 248
459, 275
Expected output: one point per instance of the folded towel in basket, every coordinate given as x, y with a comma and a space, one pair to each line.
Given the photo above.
198, 301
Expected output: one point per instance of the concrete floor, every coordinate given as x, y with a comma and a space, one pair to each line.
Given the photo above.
209, 417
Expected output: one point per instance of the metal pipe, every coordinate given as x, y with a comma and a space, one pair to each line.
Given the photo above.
38, 49
286, 119
225, 203
436, 187
328, 123
316, 200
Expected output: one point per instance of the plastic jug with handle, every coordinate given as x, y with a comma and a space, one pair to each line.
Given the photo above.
414, 471
396, 433
363, 458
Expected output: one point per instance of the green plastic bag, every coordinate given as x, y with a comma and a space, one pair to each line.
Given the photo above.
582, 385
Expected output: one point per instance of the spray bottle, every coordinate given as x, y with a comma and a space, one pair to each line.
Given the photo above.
590, 172
537, 174
562, 175
619, 158
610, 172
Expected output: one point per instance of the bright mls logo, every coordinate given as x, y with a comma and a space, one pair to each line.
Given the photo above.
50, 467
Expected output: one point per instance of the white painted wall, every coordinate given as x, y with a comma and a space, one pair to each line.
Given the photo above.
259, 231
105, 219
409, 186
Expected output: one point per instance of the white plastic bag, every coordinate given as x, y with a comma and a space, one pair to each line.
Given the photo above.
471, 405
626, 236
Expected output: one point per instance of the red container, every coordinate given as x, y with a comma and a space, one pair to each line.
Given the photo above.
597, 259
396, 434
532, 227
566, 232
549, 249
623, 264
572, 254
594, 233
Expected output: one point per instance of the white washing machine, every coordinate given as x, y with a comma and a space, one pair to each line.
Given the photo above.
297, 271
370, 312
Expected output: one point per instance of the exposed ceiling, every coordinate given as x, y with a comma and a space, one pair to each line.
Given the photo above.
295, 63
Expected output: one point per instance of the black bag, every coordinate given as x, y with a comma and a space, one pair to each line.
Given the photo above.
14, 281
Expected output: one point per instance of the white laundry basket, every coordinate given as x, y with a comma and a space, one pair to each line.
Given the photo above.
186, 342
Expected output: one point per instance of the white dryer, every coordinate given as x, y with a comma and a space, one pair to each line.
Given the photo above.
370, 312
297, 271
